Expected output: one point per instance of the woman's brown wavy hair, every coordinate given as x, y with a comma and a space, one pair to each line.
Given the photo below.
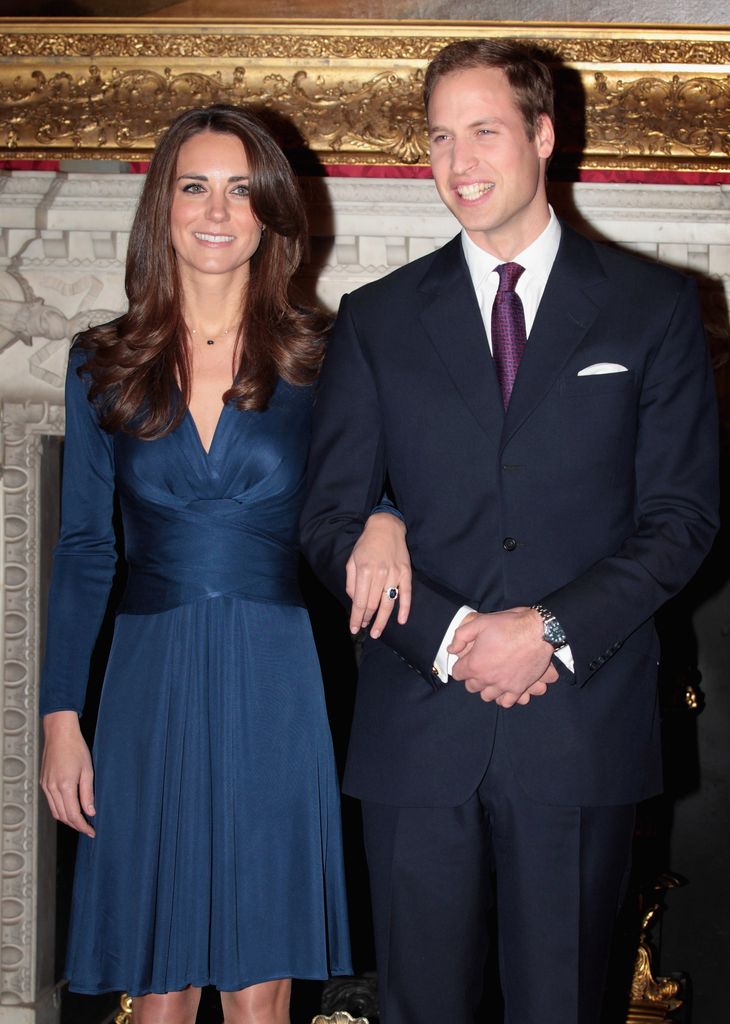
139, 364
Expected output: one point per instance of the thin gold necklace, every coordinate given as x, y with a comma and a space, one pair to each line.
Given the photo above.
211, 341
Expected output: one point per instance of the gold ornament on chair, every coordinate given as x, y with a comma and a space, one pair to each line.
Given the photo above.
652, 999
341, 1017
125, 1010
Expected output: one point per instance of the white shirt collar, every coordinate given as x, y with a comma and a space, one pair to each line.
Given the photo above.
537, 258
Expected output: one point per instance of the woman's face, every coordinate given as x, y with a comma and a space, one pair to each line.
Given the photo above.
212, 225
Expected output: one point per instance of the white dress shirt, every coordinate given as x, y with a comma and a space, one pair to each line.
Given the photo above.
537, 259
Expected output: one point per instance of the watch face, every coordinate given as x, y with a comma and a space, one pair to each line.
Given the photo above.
554, 633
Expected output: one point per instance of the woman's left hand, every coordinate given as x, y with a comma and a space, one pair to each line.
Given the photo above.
379, 562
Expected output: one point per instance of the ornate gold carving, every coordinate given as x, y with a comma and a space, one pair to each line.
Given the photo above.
216, 45
659, 115
379, 116
653, 98
692, 697
125, 1010
359, 41
637, 51
652, 999
340, 1017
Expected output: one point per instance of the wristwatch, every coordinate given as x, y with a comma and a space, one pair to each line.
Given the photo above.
552, 631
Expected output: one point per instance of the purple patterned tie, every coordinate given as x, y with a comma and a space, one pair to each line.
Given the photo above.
509, 336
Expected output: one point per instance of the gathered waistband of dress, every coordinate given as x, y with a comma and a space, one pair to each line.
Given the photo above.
178, 557
146, 593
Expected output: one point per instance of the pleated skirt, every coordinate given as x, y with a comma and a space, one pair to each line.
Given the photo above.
217, 858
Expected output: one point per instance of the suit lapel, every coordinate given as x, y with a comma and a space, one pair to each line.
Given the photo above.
451, 318
569, 306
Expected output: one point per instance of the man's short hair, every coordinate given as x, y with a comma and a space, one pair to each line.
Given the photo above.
529, 79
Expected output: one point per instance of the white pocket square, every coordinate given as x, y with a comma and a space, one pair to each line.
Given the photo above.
594, 368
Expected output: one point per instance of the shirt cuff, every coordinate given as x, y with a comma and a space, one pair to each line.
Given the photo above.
444, 662
566, 656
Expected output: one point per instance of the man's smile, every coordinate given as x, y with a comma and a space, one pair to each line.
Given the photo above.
474, 190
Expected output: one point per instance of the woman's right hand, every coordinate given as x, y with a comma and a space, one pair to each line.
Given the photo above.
379, 561
67, 775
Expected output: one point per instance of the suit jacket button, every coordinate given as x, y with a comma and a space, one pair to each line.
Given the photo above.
509, 543
593, 666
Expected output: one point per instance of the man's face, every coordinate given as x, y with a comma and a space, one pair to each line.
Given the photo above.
487, 171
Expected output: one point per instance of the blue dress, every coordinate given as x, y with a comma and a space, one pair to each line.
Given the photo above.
217, 858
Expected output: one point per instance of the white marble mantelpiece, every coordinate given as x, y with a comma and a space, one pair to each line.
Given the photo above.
63, 239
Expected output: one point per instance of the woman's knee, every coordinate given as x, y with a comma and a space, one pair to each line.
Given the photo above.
266, 1003
170, 1008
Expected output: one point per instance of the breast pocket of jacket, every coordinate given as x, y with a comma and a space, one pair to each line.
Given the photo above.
594, 425
593, 385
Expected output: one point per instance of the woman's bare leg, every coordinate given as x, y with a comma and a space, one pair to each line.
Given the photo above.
170, 1008
267, 1003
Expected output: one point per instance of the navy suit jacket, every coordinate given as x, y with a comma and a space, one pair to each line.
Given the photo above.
596, 495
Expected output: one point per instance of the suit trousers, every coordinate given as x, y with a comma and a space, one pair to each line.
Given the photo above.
559, 875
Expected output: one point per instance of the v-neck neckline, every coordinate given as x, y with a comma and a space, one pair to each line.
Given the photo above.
206, 451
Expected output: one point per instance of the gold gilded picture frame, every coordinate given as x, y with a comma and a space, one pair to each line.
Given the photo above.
636, 97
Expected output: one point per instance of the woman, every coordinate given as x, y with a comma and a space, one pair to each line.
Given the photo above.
214, 855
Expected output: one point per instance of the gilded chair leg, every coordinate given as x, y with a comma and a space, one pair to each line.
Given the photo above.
340, 1017
652, 999
125, 1010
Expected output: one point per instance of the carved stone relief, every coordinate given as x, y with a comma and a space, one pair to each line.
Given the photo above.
26, 857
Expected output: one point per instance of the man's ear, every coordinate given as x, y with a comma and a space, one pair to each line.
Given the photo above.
545, 137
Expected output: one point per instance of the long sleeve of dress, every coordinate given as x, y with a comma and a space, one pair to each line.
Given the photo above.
85, 557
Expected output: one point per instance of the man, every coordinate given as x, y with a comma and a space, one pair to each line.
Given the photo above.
551, 509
